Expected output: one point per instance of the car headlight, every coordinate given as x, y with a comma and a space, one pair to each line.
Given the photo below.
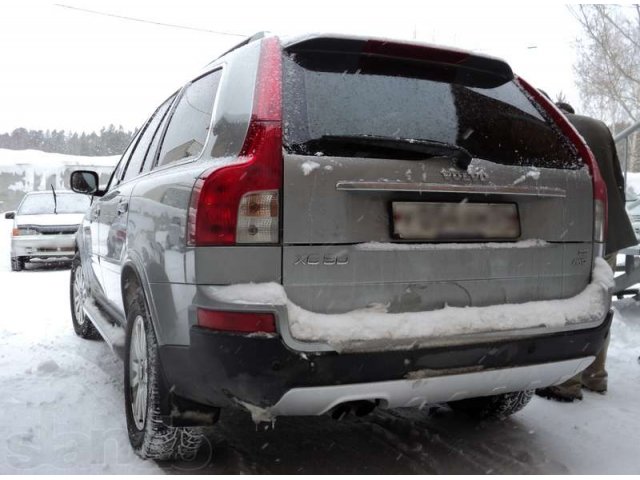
17, 232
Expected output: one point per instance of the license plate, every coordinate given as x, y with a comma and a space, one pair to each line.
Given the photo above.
455, 221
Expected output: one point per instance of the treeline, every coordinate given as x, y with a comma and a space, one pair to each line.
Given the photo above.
109, 141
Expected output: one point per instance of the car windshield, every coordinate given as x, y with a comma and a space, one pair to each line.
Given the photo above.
43, 203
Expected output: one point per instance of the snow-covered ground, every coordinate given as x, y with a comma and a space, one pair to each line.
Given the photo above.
61, 404
61, 411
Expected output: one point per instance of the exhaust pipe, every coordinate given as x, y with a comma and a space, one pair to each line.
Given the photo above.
359, 408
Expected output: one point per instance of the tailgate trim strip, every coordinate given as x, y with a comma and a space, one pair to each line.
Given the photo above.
360, 186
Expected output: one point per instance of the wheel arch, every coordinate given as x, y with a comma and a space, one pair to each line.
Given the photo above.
132, 275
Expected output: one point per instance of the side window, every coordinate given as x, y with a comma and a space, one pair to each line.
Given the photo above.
150, 157
189, 125
117, 172
137, 157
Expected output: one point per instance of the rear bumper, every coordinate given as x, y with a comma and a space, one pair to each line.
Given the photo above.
222, 369
421, 391
43, 245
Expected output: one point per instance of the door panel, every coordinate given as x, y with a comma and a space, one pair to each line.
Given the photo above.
114, 210
113, 237
91, 246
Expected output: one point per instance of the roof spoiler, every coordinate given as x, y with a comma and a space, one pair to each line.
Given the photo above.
463, 67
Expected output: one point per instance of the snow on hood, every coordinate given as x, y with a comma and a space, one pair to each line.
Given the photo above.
374, 327
50, 219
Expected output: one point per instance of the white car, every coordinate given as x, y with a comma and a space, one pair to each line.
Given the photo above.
45, 225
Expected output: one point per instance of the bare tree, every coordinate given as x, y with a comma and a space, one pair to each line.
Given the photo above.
608, 66
561, 97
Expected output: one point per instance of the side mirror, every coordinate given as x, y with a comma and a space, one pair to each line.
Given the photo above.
84, 181
10, 215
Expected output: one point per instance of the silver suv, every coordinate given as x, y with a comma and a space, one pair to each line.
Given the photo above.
329, 224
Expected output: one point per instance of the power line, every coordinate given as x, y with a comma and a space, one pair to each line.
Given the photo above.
142, 20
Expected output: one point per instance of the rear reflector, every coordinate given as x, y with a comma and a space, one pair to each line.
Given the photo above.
599, 220
599, 187
241, 322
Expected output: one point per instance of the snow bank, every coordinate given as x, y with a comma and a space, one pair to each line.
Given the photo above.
374, 326
46, 159
24, 171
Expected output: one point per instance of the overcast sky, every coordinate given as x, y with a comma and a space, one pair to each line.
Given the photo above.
63, 68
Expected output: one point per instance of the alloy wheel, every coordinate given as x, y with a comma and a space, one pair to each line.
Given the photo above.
138, 376
79, 295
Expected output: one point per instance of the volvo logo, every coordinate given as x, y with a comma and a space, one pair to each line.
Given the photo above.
476, 175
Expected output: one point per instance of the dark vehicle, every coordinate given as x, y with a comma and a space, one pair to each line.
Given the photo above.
324, 224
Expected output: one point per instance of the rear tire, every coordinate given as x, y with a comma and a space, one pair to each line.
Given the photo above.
149, 436
79, 293
496, 407
17, 264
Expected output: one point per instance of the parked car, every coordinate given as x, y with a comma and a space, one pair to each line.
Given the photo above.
354, 224
45, 226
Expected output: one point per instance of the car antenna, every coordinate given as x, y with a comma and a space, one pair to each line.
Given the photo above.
55, 200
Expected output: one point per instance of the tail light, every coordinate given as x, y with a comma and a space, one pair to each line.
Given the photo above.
240, 203
241, 322
599, 187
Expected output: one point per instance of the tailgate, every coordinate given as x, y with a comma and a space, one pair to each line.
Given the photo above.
372, 138
340, 251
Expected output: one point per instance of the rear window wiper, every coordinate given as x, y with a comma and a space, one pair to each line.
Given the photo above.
381, 146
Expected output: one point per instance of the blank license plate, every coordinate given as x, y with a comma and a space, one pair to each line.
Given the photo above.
455, 221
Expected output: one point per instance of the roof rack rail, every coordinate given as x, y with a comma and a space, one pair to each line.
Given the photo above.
252, 38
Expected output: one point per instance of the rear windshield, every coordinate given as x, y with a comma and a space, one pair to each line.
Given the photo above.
43, 203
331, 99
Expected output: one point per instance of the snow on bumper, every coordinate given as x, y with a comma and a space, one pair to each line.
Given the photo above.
375, 328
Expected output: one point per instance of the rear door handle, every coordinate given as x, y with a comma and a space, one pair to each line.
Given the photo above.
122, 207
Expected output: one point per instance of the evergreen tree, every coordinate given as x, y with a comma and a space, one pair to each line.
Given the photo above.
109, 141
